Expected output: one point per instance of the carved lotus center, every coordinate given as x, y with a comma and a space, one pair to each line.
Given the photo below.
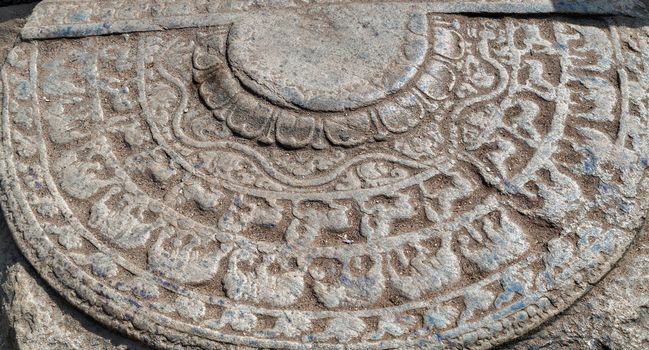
327, 59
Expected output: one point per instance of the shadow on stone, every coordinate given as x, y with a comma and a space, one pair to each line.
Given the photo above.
33, 316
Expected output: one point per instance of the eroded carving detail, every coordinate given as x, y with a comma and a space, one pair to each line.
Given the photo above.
481, 197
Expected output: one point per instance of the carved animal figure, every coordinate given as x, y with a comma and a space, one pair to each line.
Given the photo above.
124, 225
352, 289
184, 262
427, 272
262, 284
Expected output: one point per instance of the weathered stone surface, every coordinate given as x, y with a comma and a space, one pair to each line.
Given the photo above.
614, 315
176, 189
36, 319
79, 18
10, 24
303, 51
32, 316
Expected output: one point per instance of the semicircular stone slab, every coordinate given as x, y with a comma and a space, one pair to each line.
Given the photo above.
325, 176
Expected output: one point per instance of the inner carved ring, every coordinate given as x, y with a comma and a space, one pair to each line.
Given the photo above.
329, 60
331, 76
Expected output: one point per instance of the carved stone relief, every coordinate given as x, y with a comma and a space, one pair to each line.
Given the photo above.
335, 176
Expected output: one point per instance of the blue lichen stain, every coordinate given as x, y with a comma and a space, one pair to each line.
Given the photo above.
517, 288
79, 17
511, 188
605, 188
517, 306
169, 285
434, 321
83, 30
549, 279
604, 244
423, 343
521, 316
590, 165
134, 303
65, 31
23, 90
625, 207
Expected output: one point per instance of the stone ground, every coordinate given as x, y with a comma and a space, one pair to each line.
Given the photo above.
614, 315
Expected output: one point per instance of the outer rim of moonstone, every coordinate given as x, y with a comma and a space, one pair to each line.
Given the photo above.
58, 270
130, 321
159, 335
